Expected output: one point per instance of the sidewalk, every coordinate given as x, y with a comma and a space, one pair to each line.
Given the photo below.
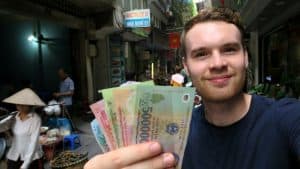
87, 140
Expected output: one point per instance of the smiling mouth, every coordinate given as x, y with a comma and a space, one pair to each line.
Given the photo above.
220, 80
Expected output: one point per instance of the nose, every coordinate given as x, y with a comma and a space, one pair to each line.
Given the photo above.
217, 61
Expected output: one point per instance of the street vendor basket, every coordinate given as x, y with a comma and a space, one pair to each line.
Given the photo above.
69, 160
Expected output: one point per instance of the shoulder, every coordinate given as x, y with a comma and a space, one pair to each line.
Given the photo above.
286, 114
260, 104
279, 109
286, 107
262, 101
69, 80
290, 102
36, 117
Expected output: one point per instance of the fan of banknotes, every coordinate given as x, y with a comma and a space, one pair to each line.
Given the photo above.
144, 112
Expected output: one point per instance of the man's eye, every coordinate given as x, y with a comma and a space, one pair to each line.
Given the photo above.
201, 54
229, 50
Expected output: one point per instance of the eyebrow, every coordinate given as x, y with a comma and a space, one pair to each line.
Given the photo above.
230, 44
198, 50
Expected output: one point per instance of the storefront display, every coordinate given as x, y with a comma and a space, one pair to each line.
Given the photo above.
282, 56
117, 60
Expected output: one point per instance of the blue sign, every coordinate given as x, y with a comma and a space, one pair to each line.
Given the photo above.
133, 23
137, 18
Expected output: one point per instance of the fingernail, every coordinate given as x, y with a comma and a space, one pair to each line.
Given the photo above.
155, 147
168, 160
176, 157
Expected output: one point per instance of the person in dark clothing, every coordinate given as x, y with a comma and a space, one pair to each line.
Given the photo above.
232, 129
266, 137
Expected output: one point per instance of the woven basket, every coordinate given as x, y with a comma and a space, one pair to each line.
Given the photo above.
64, 160
75, 166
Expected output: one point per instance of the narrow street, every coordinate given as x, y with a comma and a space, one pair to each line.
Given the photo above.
240, 57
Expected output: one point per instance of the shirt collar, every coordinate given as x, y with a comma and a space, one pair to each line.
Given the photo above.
29, 115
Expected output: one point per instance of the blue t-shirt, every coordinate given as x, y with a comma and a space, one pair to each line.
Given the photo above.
66, 86
268, 137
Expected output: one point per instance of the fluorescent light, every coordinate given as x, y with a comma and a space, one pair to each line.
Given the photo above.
32, 38
152, 70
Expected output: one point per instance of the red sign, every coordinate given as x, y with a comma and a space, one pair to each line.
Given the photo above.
174, 40
222, 2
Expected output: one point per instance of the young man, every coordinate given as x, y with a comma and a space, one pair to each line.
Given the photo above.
232, 130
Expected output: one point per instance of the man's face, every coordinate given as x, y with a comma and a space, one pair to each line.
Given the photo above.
23, 108
215, 60
61, 74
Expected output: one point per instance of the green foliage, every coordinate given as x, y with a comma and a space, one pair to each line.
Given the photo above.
182, 11
275, 91
269, 90
288, 86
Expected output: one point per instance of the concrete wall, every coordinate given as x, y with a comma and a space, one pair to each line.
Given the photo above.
101, 67
254, 52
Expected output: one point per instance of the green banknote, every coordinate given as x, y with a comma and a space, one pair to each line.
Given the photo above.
119, 106
163, 114
124, 101
143, 112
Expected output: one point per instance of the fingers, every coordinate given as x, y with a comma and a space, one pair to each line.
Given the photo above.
123, 157
162, 161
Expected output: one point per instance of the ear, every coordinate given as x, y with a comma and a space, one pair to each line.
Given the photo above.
185, 66
246, 59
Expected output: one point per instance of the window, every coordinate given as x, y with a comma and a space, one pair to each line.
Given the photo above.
136, 4
126, 4
145, 4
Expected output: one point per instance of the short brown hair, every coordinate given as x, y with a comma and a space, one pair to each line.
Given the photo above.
212, 14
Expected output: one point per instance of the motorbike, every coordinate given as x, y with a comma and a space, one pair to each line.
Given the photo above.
3, 142
4, 136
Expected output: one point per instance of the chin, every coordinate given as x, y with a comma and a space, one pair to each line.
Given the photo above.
212, 94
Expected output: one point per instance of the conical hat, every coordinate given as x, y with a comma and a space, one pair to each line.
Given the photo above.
25, 97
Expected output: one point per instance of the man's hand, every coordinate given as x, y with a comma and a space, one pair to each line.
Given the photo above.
140, 156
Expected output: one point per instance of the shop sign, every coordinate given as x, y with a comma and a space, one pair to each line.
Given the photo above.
174, 40
144, 32
137, 18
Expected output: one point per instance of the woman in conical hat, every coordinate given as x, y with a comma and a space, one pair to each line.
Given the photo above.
25, 151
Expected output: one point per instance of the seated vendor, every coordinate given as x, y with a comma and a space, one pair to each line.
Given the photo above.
25, 151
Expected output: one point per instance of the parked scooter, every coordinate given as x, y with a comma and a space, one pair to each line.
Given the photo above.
3, 143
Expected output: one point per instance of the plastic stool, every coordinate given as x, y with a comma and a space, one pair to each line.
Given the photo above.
73, 140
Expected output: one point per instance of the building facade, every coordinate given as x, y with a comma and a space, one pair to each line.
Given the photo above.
274, 43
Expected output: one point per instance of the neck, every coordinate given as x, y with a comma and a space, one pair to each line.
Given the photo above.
227, 112
23, 115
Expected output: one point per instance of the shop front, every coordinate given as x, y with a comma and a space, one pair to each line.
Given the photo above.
281, 51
